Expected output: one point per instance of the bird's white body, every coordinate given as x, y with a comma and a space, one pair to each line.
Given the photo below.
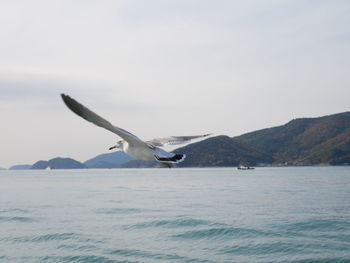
131, 144
144, 154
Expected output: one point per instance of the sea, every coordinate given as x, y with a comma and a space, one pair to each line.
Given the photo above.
209, 215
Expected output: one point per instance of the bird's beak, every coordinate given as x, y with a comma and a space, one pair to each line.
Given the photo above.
113, 147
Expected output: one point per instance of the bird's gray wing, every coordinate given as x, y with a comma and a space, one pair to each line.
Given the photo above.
172, 140
90, 116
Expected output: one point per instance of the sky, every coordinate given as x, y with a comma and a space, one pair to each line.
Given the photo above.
164, 67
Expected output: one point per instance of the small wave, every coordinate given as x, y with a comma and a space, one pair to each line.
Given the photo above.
81, 258
224, 232
319, 260
77, 248
266, 248
158, 256
185, 222
118, 210
17, 219
43, 238
341, 237
11, 210
132, 253
56, 236
317, 225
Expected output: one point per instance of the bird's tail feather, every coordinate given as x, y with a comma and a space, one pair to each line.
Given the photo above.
177, 158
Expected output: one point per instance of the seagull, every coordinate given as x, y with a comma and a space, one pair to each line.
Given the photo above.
130, 143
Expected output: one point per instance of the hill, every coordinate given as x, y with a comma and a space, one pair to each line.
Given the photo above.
20, 167
221, 151
109, 160
59, 163
305, 141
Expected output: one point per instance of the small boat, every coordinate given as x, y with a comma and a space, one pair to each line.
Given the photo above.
242, 167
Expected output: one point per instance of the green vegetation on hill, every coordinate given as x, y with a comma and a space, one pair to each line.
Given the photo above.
323, 140
221, 151
306, 141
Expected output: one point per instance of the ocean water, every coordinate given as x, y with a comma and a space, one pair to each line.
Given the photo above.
176, 215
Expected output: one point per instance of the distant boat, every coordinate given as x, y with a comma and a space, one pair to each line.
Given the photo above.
49, 167
242, 167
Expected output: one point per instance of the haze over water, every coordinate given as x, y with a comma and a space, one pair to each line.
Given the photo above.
176, 215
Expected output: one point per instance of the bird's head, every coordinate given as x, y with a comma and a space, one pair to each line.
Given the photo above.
119, 145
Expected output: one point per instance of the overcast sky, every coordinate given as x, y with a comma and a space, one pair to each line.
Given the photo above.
160, 68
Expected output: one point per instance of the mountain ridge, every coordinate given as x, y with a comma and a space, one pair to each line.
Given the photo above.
58, 163
304, 141
109, 160
299, 140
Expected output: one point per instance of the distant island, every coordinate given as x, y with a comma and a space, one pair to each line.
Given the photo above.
305, 141
106, 160
21, 167
59, 163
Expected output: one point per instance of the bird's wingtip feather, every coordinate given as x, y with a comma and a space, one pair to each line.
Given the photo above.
64, 97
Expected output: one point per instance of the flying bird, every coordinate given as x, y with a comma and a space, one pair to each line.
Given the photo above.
130, 143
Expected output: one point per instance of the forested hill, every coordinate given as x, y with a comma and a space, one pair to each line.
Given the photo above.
306, 141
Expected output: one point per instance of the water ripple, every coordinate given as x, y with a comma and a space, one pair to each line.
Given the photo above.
318, 225
177, 223
118, 210
318, 260
11, 210
266, 248
56, 236
223, 232
82, 259
158, 256
23, 219
77, 248
44, 238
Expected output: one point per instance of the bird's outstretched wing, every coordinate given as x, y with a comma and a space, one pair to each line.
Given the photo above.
172, 140
90, 116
